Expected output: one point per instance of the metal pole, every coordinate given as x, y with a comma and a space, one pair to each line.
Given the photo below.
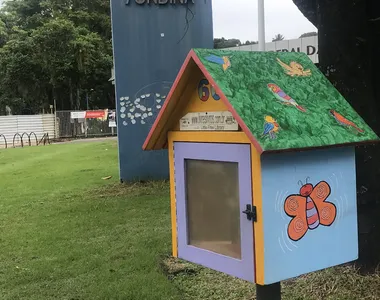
85, 128
268, 292
55, 119
87, 100
261, 18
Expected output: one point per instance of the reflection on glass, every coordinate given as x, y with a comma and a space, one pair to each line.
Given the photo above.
213, 210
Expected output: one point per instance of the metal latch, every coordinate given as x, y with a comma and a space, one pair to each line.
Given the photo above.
251, 213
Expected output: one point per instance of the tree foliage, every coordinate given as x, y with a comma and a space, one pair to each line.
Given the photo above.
278, 37
220, 43
55, 50
308, 34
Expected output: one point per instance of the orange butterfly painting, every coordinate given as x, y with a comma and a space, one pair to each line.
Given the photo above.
309, 209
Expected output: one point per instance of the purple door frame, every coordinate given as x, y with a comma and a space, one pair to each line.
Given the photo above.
241, 154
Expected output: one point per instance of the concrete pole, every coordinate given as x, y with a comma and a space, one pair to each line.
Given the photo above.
261, 18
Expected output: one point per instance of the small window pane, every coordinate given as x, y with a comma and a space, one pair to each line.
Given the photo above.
213, 210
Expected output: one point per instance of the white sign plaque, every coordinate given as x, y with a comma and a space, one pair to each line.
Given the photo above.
209, 121
77, 114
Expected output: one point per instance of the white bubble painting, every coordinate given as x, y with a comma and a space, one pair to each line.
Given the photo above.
145, 105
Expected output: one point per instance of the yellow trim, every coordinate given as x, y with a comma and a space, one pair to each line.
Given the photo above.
238, 137
259, 225
173, 209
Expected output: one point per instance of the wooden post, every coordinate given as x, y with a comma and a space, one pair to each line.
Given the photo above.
268, 292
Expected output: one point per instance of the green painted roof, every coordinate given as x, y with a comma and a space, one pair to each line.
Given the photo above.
245, 84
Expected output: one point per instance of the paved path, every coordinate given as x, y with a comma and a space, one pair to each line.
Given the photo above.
88, 140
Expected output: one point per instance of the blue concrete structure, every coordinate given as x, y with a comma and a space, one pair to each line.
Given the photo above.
150, 43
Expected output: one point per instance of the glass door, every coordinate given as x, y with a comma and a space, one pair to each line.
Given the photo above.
213, 188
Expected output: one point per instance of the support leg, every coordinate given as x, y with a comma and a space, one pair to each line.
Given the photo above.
268, 292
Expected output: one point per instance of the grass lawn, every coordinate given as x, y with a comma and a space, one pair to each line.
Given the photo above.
68, 234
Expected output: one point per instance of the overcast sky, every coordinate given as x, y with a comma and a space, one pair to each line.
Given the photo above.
238, 19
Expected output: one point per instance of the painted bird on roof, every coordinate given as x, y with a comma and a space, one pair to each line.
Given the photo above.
224, 61
294, 69
343, 121
271, 127
283, 97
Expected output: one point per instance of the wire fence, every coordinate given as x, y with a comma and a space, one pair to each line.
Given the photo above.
82, 128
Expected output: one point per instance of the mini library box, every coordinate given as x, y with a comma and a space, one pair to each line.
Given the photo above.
262, 165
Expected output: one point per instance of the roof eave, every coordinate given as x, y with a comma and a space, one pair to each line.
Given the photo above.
150, 143
353, 144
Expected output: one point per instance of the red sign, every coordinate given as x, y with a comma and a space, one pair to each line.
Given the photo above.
95, 114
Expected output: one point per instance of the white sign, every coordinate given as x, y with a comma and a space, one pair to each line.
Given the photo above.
209, 121
112, 119
77, 114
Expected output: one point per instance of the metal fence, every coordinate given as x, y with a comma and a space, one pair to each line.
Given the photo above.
21, 130
81, 128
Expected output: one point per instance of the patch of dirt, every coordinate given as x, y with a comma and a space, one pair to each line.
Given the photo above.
133, 189
172, 267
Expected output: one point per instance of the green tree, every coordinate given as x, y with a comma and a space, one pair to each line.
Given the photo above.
250, 43
308, 34
22, 83
220, 43
278, 37
55, 50
3, 33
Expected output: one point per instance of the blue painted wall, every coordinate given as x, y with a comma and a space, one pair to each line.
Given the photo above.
149, 49
324, 246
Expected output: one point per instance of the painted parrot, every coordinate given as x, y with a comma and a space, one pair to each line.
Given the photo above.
283, 97
271, 127
223, 61
343, 121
